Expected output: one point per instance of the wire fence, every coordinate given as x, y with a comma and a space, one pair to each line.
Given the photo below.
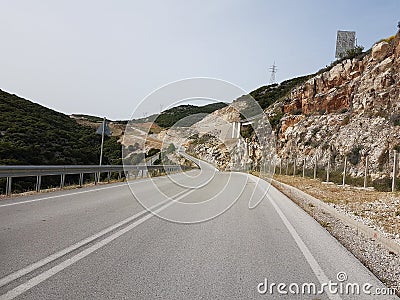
345, 170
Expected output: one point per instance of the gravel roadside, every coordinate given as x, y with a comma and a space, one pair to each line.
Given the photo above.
385, 264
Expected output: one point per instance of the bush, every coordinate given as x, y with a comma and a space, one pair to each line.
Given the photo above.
354, 156
297, 112
352, 53
171, 148
152, 152
276, 119
395, 119
382, 185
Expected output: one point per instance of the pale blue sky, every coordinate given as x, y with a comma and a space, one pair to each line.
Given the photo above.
103, 57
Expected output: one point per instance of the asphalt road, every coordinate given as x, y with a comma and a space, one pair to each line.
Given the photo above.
209, 235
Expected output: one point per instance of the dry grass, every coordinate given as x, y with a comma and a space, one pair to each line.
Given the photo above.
380, 209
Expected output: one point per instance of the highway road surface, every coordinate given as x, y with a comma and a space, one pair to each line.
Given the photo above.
201, 234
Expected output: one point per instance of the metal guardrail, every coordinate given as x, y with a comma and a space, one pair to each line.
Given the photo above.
10, 172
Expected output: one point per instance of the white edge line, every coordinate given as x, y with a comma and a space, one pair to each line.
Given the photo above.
13, 276
76, 193
319, 273
63, 195
58, 268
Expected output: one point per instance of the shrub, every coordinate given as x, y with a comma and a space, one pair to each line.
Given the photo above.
352, 53
395, 119
276, 119
152, 152
354, 156
297, 111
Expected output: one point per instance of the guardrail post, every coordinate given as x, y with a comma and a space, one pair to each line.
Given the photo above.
119, 175
280, 166
344, 171
366, 172
108, 176
62, 181
38, 183
8, 186
80, 179
304, 167
394, 170
95, 178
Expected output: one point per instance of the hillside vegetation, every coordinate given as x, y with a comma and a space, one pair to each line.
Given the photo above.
171, 116
268, 95
35, 135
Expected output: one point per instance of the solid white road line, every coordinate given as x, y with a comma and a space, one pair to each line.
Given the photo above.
323, 279
63, 195
58, 268
11, 277
77, 193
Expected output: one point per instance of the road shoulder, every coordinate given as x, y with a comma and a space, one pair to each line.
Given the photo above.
376, 252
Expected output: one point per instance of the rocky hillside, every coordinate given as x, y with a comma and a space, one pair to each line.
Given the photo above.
349, 109
352, 109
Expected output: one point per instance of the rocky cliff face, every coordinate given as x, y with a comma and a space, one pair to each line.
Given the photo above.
367, 84
353, 109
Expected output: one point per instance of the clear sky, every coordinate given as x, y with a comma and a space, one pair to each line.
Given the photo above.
103, 57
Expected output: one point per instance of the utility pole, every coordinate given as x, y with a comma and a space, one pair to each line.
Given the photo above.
102, 140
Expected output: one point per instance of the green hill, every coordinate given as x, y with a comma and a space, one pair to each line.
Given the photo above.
170, 116
267, 95
35, 135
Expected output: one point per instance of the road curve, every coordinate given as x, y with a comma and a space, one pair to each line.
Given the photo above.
201, 234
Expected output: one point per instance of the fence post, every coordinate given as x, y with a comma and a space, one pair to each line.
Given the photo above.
328, 169
315, 167
344, 171
294, 167
394, 170
287, 167
366, 172
304, 167
280, 166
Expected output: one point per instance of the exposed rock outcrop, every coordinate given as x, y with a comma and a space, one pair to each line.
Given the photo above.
354, 106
